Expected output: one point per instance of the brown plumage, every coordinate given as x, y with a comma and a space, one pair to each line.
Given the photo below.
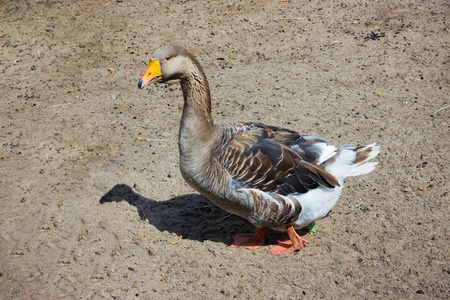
273, 177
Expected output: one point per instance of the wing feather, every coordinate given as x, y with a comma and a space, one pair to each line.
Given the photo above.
265, 157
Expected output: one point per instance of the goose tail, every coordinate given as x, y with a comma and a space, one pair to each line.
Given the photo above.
352, 161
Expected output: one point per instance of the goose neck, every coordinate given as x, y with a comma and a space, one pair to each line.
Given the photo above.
197, 127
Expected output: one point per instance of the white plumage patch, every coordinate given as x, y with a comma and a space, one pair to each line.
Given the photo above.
328, 151
343, 166
316, 204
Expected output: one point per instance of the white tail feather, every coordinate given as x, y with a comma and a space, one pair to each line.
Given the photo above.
375, 151
361, 169
343, 164
328, 151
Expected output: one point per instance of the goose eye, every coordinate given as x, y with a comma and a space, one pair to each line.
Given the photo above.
168, 58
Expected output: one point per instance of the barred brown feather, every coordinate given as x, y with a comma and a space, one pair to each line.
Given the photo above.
258, 156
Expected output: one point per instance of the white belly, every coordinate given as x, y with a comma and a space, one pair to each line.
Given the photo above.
316, 204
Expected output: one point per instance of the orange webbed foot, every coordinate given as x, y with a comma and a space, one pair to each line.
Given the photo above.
250, 241
295, 243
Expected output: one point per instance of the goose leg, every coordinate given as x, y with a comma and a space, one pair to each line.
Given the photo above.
250, 241
295, 243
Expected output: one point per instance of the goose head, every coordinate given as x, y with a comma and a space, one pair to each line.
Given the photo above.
170, 62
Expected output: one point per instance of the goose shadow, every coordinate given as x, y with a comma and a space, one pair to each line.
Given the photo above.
191, 216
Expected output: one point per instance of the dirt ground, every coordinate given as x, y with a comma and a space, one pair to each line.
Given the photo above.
92, 201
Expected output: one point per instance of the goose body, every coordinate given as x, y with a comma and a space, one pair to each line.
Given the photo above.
271, 176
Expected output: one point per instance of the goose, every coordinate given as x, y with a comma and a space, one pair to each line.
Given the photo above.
271, 176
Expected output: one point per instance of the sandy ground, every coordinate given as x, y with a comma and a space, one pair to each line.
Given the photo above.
92, 202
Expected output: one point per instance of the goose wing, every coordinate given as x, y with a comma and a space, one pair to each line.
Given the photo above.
271, 159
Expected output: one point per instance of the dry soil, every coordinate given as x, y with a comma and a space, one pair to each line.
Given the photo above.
92, 202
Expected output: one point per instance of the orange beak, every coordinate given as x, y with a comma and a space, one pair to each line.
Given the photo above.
153, 74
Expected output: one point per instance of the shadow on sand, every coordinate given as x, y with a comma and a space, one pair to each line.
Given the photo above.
192, 216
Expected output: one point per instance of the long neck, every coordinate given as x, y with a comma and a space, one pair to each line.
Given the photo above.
196, 137
197, 98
